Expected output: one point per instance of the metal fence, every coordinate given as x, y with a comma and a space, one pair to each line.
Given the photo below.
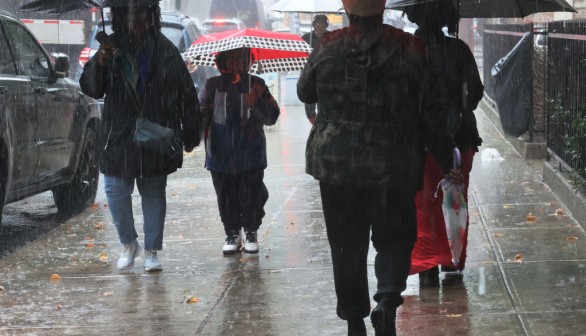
566, 94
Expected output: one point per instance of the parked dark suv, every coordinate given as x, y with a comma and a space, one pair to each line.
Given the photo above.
178, 28
47, 126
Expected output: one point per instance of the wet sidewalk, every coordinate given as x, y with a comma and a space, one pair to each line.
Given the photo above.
525, 275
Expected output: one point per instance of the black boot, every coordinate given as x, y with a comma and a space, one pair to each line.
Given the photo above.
356, 328
383, 317
429, 278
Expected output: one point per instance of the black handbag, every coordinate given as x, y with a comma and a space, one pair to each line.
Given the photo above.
150, 135
155, 137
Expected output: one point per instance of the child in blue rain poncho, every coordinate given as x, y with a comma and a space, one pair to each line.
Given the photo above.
235, 107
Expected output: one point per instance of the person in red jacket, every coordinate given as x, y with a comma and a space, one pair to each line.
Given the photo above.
462, 89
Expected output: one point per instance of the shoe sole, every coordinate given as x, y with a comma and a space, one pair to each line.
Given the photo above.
251, 252
153, 269
228, 253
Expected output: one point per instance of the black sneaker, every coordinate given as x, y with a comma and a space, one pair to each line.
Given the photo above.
429, 278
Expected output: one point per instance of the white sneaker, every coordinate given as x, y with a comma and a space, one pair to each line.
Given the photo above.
151, 262
250, 242
126, 260
233, 243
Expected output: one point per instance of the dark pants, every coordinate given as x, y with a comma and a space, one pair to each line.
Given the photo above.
350, 213
241, 199
310, 110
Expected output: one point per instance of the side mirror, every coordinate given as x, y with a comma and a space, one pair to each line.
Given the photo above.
61, 65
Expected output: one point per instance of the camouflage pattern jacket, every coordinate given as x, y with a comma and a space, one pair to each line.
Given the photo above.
379, 109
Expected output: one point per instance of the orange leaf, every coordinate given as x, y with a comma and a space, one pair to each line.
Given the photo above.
519, 258
55, 277
99, 226
531, 218
572, 238
559, 212
89, 245
94, 206
103, 257
192, 300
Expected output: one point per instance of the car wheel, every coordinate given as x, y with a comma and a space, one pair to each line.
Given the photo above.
80, 193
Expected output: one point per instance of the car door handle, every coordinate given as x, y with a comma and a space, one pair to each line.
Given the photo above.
41, 90
3, 89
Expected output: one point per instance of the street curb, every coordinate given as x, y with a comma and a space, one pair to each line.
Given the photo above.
560, 186
527, 150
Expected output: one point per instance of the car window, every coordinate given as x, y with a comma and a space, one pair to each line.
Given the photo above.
244, 10
6, 61
30, 59
175, 36
216, 27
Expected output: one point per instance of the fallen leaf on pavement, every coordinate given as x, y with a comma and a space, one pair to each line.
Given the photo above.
498, 234
59, 306
94, 206
519, 258
572, 238
55, 277
103, 257
108, 293
2, 289
455, 315
560, 212
192, 300
531, 218
89, 245
99, 226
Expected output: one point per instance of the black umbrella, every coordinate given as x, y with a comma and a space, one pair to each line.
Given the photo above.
494, 8
65, 6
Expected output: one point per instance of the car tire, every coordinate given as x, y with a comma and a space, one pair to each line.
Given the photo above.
80, 193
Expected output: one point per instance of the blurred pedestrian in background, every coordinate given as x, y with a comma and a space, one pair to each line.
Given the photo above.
139, 71
235, 106
462, 90
320, 25
380, 107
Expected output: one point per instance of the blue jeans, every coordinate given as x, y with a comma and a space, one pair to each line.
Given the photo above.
154, 207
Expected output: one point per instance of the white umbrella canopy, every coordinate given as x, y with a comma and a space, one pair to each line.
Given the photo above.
308, 6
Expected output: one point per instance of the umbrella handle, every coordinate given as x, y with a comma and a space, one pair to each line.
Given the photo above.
457, 158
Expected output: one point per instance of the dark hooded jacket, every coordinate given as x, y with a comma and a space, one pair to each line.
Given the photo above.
379, 109
460, 83
168, 98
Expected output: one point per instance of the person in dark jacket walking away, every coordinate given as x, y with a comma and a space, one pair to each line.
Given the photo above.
379, 109
140, 72
320, 25
462, 90
235, 106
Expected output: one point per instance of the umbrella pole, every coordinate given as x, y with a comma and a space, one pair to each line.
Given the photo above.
103, 22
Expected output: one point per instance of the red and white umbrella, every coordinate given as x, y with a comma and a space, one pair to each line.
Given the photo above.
273, 52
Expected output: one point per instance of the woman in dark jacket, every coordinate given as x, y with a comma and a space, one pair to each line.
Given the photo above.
140, 72
456, 68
